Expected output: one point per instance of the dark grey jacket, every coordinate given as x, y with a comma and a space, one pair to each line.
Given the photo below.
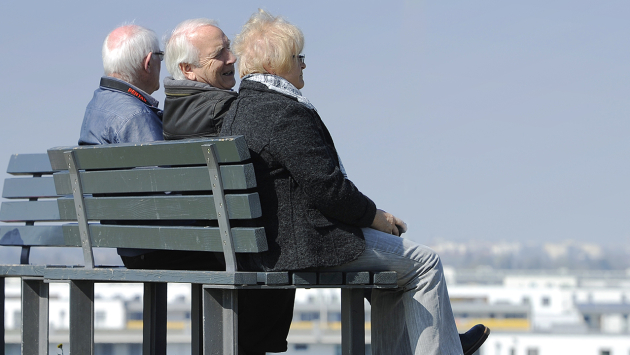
312, 215
193, 109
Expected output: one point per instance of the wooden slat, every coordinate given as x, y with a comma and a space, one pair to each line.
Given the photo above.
43, 236
164, 153
330, 278
240, 206
358, 278
235, 177
304, 278
21, 211
21, 270
385, 278
274, 278
29, 187
137, 275
246, 240
28, 164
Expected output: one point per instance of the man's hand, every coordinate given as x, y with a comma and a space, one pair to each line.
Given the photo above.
388, 223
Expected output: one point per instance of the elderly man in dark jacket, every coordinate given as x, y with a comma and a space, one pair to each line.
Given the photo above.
198, 95
199, 92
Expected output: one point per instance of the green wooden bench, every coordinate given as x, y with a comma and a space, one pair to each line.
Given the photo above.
209, 181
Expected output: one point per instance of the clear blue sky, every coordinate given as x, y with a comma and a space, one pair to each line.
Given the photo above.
471, 120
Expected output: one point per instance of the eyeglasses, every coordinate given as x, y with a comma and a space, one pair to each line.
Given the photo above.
160, 55
301, 58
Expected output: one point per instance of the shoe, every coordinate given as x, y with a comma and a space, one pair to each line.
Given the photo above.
473, 338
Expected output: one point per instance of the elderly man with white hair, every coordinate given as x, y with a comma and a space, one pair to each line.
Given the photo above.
199, 93
122, 109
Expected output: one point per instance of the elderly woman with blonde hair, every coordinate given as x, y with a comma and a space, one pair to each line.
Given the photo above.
316, 218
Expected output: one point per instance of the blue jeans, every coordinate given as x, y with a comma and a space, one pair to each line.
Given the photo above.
416, 318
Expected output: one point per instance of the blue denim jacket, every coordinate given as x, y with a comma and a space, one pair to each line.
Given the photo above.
114, 116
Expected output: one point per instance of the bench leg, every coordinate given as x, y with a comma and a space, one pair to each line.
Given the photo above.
220, 322
196, 326
154, 319
2, 315
34, 317
81, 317
352, 322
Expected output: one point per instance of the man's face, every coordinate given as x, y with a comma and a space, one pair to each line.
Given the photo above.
216, 61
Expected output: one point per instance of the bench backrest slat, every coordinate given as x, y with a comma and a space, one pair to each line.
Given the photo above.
247, 240
240, 206
49, 236
42, 187
235, 177
174, 153
29, 164
23, 211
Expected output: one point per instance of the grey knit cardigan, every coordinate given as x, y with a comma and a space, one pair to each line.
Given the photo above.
312, 214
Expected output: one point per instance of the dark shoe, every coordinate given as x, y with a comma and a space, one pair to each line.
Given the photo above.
473, 338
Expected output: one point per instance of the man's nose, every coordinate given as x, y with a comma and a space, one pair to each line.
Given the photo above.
231, 58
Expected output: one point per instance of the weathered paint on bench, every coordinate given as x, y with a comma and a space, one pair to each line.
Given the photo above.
207, 180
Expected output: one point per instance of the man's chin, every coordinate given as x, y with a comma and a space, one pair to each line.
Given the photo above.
229, 84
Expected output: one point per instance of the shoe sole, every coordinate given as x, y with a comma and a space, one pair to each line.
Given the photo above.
479, 342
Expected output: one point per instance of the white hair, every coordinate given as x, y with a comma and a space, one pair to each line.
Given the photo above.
179, 48
124, 55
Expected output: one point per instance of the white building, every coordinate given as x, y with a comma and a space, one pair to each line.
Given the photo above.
529, 312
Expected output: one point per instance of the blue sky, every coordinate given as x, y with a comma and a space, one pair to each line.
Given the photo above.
471, 120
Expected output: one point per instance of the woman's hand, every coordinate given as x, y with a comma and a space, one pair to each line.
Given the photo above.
388, 223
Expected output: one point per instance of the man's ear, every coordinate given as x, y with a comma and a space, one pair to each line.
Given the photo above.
186, 69
147, 61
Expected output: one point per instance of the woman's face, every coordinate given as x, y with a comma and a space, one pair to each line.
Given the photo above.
295, 75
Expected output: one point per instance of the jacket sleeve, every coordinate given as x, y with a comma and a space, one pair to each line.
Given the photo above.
298, 144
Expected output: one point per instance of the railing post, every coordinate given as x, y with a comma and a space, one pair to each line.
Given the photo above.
220, 321
196, 320
154, 319
2, 315
81, 317
352, 322
34, 316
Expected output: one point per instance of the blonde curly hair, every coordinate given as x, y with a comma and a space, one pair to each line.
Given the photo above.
267, 41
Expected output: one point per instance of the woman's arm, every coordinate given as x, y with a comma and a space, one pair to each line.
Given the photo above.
298, 144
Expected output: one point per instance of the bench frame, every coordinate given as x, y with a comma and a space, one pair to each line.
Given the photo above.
214, 298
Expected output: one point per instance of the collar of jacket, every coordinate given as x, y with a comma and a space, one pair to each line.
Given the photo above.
129, 89
174, 87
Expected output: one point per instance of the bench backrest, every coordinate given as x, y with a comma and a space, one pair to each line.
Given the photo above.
31, 197
132, 187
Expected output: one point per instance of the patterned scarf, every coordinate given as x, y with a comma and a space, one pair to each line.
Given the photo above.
281, 85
